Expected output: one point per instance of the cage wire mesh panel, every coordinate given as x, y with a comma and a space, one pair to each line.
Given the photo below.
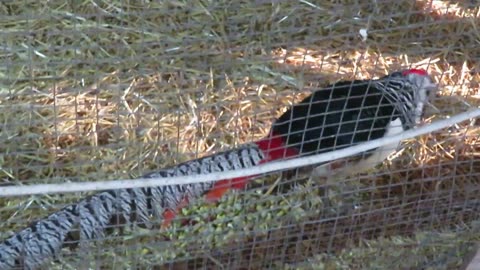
97, 90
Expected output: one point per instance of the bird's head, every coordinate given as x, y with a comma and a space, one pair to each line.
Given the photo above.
415, 88
424, 87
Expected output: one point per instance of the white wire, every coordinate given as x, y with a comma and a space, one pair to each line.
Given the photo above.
265, 168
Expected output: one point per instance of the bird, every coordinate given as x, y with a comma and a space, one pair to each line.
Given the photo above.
334, 117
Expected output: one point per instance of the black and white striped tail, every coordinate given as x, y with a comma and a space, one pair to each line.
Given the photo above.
43, 240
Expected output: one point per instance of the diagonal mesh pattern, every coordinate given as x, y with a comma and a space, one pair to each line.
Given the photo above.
102, 90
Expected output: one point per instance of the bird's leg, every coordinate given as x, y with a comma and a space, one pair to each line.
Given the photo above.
324, 175
331, 177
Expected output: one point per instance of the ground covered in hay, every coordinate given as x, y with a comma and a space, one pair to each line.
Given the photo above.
96, 90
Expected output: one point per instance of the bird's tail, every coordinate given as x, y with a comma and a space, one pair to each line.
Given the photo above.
42, 241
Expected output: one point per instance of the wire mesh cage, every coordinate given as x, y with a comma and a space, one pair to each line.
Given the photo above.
93, 91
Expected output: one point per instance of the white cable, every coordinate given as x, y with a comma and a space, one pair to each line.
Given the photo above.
265, 168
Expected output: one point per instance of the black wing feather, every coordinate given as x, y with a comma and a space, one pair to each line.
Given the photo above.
357, 112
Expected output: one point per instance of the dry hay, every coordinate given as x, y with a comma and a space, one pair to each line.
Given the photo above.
95, 91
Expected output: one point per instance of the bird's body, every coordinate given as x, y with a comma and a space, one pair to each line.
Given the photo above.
338, 116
